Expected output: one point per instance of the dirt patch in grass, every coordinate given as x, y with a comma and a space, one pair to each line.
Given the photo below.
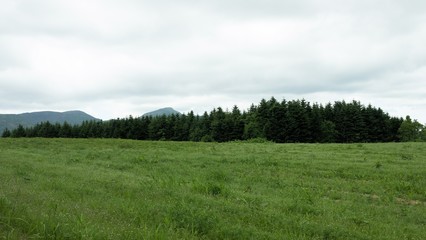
409, 202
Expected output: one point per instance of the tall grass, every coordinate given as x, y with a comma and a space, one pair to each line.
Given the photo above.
121, 189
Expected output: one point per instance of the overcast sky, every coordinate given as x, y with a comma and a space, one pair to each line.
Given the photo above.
114, 58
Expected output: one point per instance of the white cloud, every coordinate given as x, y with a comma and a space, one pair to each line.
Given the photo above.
116, 58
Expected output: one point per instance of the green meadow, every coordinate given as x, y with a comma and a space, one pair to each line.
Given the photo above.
124, 189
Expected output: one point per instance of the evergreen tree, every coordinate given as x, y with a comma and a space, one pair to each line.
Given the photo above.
203, 128
298, 122
328, 132
305, 121
262, 117
195, 132
236, 130
293, 121
188, 123
18, 132
140, 128
377, 125
329, 113
251, 126
6, 133
357, 130
316, 120
65, 131
157, 128
277, 124
181, 128
218, 125
349, 122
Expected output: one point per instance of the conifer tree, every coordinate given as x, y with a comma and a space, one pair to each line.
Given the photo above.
18, 132
6, 133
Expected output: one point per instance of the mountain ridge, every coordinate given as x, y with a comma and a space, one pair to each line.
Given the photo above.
162, 111
28, 119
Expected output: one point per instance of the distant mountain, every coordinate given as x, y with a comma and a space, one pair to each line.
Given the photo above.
162, 111
11, 121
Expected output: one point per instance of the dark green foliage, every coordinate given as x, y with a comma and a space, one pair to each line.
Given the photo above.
316, 118
6, 133
410, 130
278, 123
350, 125
19, 132
236, 124
298, 122
283, 122
328, 132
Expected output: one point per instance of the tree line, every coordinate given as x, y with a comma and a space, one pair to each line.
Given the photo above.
278, 121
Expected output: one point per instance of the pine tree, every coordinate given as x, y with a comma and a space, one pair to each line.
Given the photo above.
251, 129
157, 128
316, 119
202, 130
377, 125
236, 124
218, 125
66, 131
6, 133
277, 128
262, 118
18, 132
298, 122
328, 132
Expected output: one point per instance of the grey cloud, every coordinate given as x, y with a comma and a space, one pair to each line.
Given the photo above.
130, 52
7, 60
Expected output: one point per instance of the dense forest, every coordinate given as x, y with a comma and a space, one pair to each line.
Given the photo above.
282, 122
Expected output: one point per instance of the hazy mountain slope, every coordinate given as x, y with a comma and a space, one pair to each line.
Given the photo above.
163, 111
11, 121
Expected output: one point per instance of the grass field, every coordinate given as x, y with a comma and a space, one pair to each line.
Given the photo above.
122, 189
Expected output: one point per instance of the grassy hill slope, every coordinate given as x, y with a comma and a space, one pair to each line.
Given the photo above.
122, 189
